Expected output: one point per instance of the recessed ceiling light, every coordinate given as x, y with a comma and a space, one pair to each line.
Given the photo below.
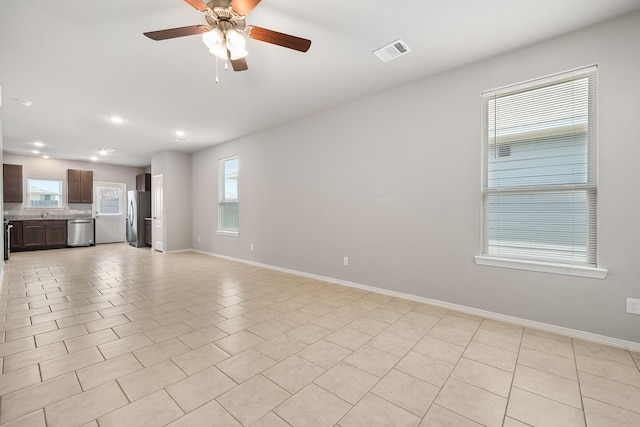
94, 158
35, 151
104, 151
25, 103
45, 157
116, 119
38, 144
180, 132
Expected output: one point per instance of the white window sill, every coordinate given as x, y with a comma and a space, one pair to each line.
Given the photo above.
545, 267
228, 233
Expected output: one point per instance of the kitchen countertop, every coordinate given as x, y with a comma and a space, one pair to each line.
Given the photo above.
50, 217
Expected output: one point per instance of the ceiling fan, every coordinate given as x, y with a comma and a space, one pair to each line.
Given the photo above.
225, 30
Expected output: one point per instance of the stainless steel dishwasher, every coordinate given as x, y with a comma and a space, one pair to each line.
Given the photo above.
80, 232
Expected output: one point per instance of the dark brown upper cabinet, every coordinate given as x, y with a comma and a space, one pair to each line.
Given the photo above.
12, 183
79, 186
143, 182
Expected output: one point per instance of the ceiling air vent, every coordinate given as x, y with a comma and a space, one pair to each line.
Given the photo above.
392, 50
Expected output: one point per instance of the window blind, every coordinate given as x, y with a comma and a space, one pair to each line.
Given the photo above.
539, 155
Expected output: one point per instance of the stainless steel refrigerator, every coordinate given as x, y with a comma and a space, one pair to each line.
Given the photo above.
139, 208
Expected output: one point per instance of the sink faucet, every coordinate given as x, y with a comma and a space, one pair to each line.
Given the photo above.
46, 214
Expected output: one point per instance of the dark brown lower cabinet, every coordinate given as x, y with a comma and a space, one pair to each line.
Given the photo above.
147, 232
45, 234
55, 234
16, 236
32, 234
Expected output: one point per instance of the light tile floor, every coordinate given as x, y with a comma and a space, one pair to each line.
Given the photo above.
118, 336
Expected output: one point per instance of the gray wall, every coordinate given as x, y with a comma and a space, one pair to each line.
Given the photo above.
176, 170
37, 167
393, 182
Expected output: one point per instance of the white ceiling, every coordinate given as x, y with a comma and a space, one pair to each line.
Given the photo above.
80, 62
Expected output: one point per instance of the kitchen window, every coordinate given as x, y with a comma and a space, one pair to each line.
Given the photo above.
44, 193
539, 175
228, 215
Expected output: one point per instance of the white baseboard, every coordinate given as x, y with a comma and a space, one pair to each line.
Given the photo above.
180, 251
587, 336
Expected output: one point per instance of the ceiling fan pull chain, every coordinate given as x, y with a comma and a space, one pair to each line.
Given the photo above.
217, 79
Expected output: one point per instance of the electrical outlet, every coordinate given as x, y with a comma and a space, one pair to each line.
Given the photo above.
198, 238
346, 260
251, 246
633, 305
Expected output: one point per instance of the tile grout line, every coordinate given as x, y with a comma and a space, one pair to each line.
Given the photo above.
513, 376
575, 359
453, 369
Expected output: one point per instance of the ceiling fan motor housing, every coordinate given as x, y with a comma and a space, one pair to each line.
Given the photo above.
223, 16
219, 3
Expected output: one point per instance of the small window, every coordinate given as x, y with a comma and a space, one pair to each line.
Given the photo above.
228, 215
45, 193
539, 165
110, 199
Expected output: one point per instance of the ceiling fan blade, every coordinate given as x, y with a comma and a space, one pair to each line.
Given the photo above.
198, 4
280, 39
177, 32
243, 7
239, 64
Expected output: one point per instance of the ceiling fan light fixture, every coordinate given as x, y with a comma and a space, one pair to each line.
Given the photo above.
235, 40
220, 52
229, 44
237, 54
214, 40
236, 44
215, 37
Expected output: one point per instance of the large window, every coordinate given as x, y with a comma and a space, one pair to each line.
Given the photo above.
45, 193
228, 196
539, 164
